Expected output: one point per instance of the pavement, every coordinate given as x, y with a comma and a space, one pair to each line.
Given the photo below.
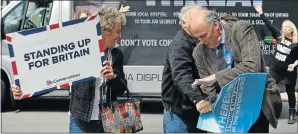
52, 116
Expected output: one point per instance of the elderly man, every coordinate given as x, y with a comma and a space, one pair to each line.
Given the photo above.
178, 97
225, 51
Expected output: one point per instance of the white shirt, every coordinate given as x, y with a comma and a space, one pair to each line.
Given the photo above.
95, 111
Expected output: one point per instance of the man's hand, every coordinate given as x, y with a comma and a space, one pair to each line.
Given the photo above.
124, 9
16, 92
204, 81
204, 106
107, 70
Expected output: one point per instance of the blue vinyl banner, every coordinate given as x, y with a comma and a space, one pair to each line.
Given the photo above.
237, 106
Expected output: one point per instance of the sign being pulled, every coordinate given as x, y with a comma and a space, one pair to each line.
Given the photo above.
56, 56
237, 106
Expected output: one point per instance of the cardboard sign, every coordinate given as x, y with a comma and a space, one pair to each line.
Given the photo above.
237, 106
56, 56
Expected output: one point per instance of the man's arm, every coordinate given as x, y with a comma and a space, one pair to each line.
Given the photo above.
198, 57
182, 72
250, 53
202, 68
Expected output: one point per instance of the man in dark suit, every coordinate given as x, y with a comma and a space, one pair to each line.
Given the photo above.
226, 51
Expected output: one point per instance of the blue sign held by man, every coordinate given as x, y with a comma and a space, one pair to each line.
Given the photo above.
237, 106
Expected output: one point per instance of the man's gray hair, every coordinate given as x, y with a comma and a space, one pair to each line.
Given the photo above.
210, 15
184, 12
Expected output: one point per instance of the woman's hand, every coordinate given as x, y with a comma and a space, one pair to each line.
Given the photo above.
291, 67
124, 9
258, 8
107, 70
16, 92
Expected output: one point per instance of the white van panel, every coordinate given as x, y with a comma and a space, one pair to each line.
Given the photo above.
55, 12
144, 80
66, 8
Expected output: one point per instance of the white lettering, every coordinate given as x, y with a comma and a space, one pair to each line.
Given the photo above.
278, 14
283, 49
142, 14
165, 3
232, 3
128, 14
178, 3
286, 42
280, 56
149, 42
224, 109
175, 14
167, 21
158, 14
128, 42
242, 14
145, 21
164, 42
154, 21
219, 3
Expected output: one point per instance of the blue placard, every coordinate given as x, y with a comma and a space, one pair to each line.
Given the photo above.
238, 105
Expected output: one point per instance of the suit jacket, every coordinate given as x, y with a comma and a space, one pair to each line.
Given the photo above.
242, 41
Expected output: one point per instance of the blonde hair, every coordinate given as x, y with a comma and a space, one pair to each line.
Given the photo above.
78, 14
108, 16
294, 33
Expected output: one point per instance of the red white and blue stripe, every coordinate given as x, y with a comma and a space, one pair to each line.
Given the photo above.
47, 28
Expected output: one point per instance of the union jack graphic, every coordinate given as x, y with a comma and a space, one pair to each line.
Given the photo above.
47, 28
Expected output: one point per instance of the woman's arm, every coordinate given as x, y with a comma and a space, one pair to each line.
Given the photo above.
274, 30
291, 67
296, 63
119, 83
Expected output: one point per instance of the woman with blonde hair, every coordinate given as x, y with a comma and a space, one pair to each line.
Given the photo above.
285, 61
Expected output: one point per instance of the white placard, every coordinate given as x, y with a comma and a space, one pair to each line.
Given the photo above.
47, 58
